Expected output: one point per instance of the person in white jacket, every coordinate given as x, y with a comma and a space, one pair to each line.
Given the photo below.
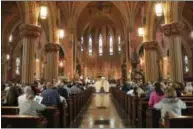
170, 103
27, 105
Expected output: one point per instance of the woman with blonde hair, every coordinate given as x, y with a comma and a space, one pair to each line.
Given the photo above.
170, 103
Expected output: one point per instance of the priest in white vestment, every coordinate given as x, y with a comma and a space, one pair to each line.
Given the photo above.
102, 83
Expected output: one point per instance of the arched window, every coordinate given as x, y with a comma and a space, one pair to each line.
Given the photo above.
110, 44
119, 43
100, 45
90, 45
82, 44
17, 66
186, 64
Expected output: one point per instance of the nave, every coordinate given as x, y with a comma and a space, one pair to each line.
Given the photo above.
55, 53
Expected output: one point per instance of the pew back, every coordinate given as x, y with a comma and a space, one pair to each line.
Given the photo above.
179, 122
20, 121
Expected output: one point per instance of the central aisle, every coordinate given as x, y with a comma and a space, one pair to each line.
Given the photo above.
101, 113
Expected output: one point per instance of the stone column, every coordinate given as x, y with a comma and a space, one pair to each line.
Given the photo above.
51, 68
165, 68
38, 69
72, 40
30, 34
172, 32
4, 70
151, 64
190, 65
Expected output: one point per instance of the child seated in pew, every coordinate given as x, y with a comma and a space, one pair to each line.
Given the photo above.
170, 103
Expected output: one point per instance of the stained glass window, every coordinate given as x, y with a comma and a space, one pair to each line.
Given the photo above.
17, 65
186, 64
81, 44
90, 45
100, 45
111, 44
119, 43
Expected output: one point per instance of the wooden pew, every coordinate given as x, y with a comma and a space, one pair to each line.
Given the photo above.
129, 109
9, 110
179, 122
142, 106
63, 115
153, 116
76, 104
134, 116
126, 104
21, 121
59, 116
188, 111
52, 115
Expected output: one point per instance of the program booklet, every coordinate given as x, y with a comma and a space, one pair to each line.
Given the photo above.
38, 99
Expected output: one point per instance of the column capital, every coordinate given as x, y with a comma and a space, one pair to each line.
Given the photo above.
150, 45
30, 30
172, 29
51, 47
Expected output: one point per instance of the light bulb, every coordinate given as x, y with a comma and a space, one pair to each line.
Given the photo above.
165, 58
37, 60
7, 56
43, 12
61, 33
140, 31
158, 9
10, 38
191, 34
61, 64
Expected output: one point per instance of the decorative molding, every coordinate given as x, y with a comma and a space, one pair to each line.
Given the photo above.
30, 30
174, 28
152, 45
52, 47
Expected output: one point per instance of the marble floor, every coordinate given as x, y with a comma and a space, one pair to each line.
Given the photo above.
101, 113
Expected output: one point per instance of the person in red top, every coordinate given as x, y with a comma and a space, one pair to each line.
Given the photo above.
156, 95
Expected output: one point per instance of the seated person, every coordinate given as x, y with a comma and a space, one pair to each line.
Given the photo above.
170, 103
62, 91
148, 87
156, 95
74, 89
125, 87
65, 86
11, 97
50, 96
27, 105
63, 100
188, 89
178, 87
26, 90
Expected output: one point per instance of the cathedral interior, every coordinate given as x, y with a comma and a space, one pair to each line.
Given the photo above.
120, 40
92, 39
